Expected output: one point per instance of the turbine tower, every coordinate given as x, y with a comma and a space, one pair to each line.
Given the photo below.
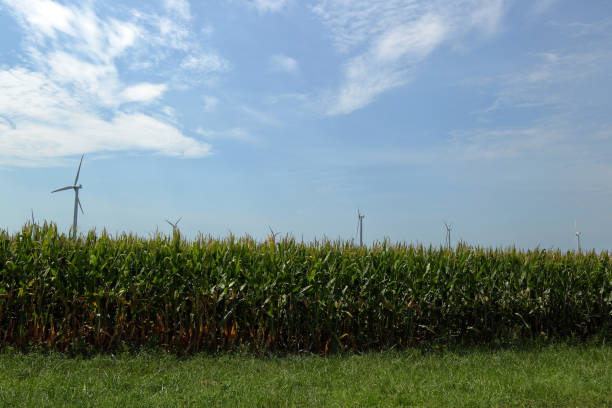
360, 227
174, 225
578, 234
449, 228
77, 202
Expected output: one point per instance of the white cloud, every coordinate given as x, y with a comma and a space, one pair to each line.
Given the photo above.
542, 6
210, 103
487, 16
49, 122
180, 7
46, 15
507, 143
34, 143
554, 80
144, 92
566, 132
206, 62
580, 29
260, 116
274, 99
237, 133
169, 112
70, 98
363, 83
284, 63
383, 66
269, 5
418, 39
389, 38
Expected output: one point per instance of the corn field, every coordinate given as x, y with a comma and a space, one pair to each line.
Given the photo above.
103, 293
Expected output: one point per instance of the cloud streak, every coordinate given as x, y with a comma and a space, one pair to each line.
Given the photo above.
269, 6
237, 134
386, 40
284, 63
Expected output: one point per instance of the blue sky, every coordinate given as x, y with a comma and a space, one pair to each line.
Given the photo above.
492, 115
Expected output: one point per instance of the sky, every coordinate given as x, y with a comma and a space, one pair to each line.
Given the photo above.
494, 116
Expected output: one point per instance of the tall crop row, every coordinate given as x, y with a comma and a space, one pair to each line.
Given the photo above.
102, 293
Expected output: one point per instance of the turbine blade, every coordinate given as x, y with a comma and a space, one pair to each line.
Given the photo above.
62, 189
170, 223
79, 201
78, 171
177, 221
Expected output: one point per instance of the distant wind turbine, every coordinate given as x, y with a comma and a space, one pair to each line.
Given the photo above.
449, 228
273, 234
578, 234
77, 202
360, 218
174, 224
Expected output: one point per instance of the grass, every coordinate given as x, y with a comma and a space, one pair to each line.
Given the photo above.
535, 376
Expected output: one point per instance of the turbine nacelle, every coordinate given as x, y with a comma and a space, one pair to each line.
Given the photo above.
174, 224
578, 234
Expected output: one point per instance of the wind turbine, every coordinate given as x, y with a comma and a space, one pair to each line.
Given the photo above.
174, 224
77, 202
273, 234
360, 227
578, 234
449, 228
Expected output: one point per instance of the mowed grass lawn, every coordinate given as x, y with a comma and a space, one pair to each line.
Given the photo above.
535, 376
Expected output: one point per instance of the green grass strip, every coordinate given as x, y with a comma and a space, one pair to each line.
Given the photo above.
549, 376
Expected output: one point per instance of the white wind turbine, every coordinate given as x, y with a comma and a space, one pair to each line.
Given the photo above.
272, 233
174, 225
578, 234
77, 202
449, 228
360, 218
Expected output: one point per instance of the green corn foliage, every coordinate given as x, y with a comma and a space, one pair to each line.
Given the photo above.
102, 293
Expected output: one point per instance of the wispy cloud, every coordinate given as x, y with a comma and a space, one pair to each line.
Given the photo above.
237, 134
582, 29
260, 116
68, 96
383, 66
506, 143
388, 39
206, 63
284, 63
554, 80
210, 103
296, 97
559, 102
265, 6
180, 7
542, 6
